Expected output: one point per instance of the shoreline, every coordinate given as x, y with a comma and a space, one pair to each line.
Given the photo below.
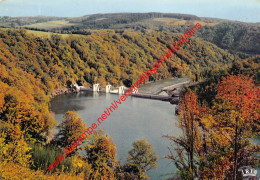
61, 91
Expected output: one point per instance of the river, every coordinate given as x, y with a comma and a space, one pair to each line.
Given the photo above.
134, 119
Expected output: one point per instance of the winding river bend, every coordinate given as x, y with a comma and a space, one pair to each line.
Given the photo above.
134, 119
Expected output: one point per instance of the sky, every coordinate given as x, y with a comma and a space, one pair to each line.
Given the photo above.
240, 10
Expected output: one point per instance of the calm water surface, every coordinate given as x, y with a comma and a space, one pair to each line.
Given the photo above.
134, 119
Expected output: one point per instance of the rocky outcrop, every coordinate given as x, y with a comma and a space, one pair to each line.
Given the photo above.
62, 91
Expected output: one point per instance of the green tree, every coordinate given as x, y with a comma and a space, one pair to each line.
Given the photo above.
141, 159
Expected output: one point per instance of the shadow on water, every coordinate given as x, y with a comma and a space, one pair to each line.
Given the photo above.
69, 102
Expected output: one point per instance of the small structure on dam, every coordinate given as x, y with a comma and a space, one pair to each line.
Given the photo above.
106, 89
96, 87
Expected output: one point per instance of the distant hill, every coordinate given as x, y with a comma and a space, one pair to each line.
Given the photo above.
93, 21
232, 35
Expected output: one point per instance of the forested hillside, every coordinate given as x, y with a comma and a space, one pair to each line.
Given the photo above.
104, 56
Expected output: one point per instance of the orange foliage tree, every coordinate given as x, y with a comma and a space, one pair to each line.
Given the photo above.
229, 128
189, 144
216, 141
235, 108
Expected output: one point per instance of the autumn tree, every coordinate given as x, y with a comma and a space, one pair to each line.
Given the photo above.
13, 148
101, 155
228, 128
18, 108
236, 111
141, 159
189, 143
70, 129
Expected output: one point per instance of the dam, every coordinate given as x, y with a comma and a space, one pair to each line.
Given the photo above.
170, 93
